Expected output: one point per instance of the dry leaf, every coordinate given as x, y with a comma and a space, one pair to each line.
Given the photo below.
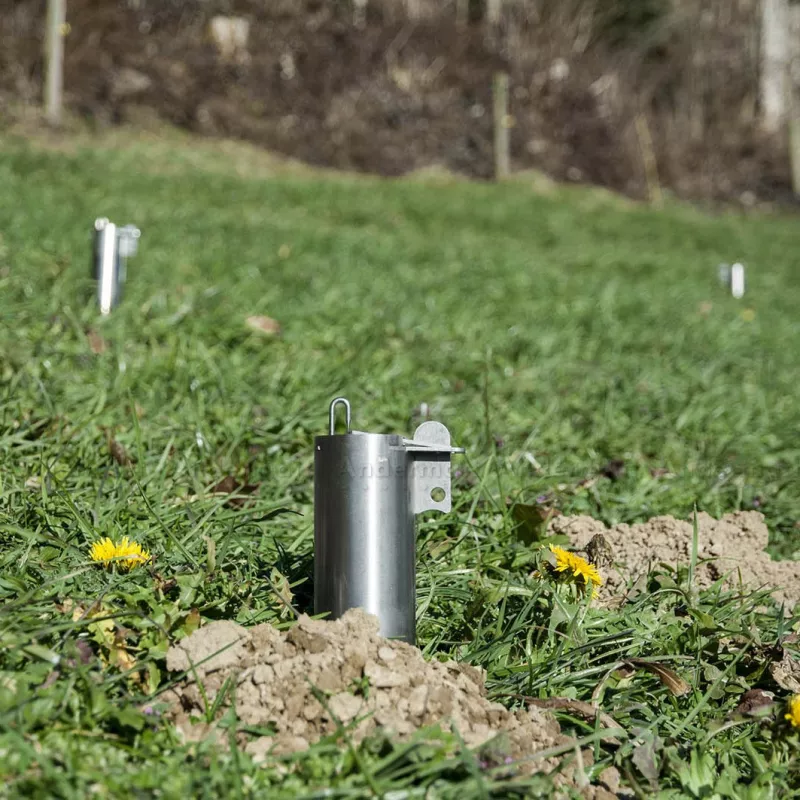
436, 549
753, 701
211, 553
280, 585
51, 679
65, 607
240, 491
111, 638
227, 485
164, 585
644, 757
284, 251
661, 472
264, 325
97, 343
119, 453
121, 658
677, 685
786, 673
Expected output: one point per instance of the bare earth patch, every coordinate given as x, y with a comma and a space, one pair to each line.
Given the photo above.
732, 548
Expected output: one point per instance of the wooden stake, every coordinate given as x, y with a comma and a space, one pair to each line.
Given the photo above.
54, 60
359, 13
413, 10
649, 160
494, 10
502, 127
462, 13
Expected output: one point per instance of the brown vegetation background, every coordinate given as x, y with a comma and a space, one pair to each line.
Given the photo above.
597, 86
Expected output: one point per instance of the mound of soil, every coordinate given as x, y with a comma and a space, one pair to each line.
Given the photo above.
275, 672
365, 682
732, 548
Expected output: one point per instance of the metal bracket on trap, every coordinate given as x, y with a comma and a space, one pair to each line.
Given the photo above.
430, 467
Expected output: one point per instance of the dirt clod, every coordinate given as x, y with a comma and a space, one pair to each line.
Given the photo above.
730, 547
306, 682
219, 647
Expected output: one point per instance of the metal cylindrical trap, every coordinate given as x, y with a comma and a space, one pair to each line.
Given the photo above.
368, 488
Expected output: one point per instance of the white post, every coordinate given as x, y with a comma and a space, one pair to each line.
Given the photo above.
775, 56
54, 60
794, 97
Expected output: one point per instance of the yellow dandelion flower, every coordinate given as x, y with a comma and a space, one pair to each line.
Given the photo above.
793, 714
580, 568
102, 550
126, 555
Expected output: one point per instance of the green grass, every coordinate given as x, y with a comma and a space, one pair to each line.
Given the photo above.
550, 332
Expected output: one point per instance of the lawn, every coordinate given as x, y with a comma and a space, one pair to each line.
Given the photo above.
552, 330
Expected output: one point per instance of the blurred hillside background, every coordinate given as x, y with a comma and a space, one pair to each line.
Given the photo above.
689, 96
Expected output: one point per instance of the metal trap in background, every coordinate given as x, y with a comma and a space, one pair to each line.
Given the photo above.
113, 246
731, 276
368, 488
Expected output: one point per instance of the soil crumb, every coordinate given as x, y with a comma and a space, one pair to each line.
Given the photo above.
364, 680
732, 547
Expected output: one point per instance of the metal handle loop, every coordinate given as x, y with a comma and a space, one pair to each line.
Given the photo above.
332, 413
